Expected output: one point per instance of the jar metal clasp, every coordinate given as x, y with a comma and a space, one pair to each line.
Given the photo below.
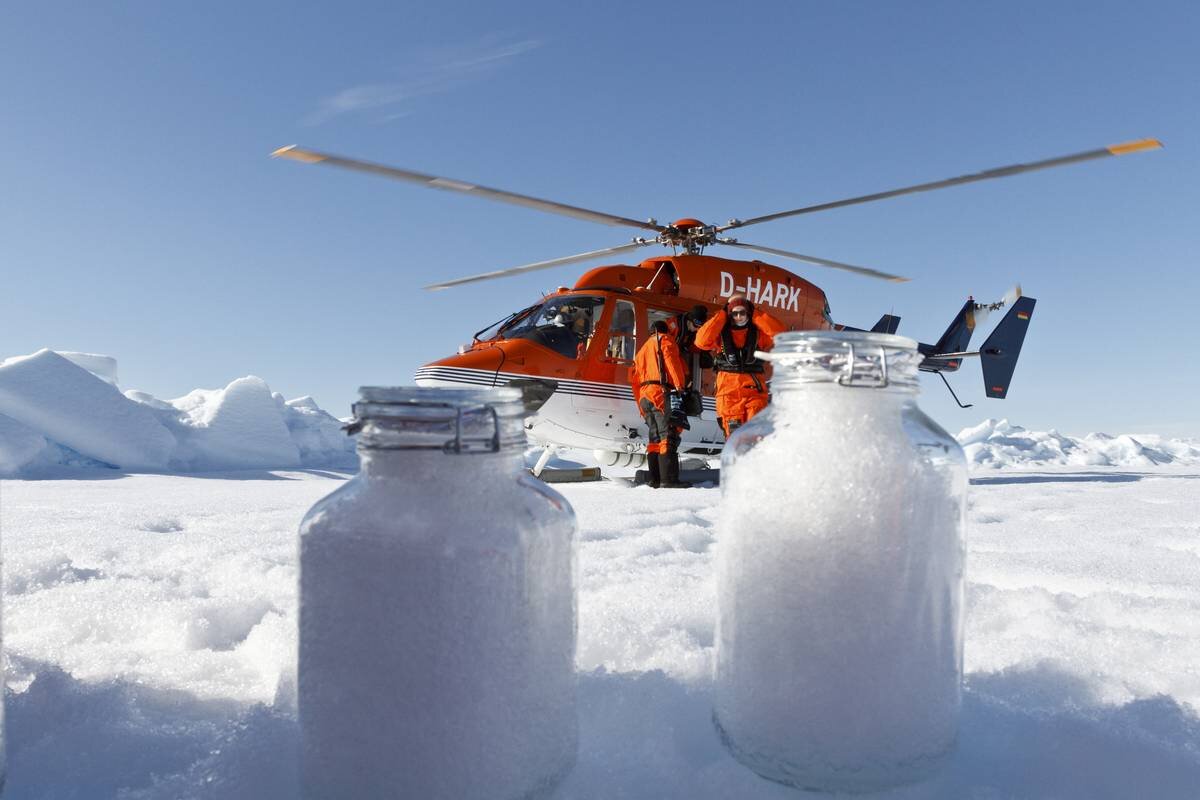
460, 446
847, 376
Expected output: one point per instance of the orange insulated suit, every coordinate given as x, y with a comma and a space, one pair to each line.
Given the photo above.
741, 379
658, 355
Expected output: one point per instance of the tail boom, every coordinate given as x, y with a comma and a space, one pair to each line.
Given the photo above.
998, 355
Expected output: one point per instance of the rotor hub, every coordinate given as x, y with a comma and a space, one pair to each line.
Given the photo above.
690, 234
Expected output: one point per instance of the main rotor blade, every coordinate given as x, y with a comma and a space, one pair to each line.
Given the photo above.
824, 262
999, 172
555, 262
297, 153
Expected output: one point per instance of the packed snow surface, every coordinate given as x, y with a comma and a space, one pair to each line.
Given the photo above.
150, 619
150, 633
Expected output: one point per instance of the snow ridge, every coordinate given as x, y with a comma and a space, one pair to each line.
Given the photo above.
65, 410
997, 444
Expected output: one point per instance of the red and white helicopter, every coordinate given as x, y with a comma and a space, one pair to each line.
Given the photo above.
571, 351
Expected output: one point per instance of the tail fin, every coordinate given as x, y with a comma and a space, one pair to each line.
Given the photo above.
958, 335
947, 354
999, 353
887, 324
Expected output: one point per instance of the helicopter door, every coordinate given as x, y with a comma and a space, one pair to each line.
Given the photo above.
675, 320
622, 334
703, 433
604, 404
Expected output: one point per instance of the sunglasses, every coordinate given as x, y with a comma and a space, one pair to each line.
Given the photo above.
741, 312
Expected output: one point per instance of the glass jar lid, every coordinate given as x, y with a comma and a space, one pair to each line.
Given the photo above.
457, 421
858, 359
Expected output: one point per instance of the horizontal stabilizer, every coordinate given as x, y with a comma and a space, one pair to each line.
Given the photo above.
999, 353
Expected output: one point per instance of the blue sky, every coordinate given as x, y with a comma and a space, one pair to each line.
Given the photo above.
142, 218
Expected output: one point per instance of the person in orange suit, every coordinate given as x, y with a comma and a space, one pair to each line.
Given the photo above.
733, 335
657, 373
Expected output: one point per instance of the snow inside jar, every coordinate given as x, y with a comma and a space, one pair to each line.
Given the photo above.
840, 572
437, 609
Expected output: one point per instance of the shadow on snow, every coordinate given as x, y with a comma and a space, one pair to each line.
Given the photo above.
1032, 733
102, 474
1078, 477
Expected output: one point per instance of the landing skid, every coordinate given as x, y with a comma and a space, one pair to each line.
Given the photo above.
577, 475
567, 475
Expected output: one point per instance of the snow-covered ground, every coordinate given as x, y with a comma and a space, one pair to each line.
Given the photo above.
149, 605
149, 630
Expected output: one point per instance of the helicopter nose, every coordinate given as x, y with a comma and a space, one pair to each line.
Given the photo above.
481, 369
473, 369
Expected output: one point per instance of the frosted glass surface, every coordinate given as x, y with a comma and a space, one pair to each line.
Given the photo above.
437, 632
840, 567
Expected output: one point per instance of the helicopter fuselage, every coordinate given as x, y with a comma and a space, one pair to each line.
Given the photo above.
573, 350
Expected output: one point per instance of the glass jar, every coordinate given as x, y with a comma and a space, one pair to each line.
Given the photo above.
437, 609
840, 571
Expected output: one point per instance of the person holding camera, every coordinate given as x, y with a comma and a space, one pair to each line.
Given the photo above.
695, 360
658, 374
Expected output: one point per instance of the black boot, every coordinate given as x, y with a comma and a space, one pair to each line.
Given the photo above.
669, 466
655, 479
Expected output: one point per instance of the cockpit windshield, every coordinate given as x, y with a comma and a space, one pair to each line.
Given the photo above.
497, 329
564, 324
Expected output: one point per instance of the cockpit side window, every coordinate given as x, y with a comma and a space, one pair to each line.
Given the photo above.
564, 324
